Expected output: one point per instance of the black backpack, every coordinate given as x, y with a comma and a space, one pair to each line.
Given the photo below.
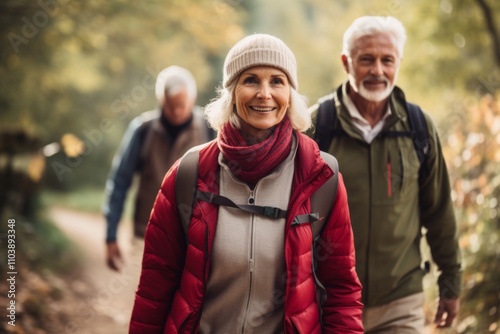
327, 129
186, 193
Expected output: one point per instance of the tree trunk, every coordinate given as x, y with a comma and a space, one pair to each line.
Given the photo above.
490, 25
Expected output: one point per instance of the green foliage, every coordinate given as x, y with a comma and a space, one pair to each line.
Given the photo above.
42, 255
45, 247
40, 246
472, 147
86, 200
449, 54
69, 66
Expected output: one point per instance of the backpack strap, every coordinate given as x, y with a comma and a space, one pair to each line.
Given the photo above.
185, 186
323, 199
267, 211
186, 191
420, 136
325, 119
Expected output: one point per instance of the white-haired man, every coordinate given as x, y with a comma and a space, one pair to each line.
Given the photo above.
396, 180
153, 141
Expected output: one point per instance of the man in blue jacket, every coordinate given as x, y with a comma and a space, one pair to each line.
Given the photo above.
153, 141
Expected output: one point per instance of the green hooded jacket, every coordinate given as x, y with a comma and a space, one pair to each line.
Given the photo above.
388, 207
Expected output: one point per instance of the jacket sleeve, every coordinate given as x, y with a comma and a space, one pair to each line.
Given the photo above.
438, 217
335, 258
162, 263
123, 167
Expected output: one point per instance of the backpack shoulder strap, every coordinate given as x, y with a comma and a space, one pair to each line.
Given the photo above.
323, 199
420, 135
187, 175
185, 186
325, 120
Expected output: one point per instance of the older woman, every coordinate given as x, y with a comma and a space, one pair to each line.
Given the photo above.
242, 272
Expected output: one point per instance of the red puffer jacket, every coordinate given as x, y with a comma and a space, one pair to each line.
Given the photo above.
174, 276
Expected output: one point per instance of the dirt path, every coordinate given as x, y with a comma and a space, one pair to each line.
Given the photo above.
109, 295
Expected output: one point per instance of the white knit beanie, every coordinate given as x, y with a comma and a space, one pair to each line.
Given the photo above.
259, 49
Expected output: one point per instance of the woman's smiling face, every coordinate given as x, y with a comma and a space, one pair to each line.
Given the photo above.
262, 98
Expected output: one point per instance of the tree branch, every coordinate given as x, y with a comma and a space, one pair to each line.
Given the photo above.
490, 25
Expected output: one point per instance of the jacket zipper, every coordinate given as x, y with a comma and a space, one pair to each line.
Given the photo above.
251, 201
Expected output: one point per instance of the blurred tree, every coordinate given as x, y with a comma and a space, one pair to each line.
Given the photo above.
449, 54
88, 67
491, 26
472, 148
21, 167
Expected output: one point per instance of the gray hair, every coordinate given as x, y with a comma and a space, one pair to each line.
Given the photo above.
371, 25
220, 110
172, 80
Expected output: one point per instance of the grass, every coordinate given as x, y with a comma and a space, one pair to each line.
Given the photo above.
46, 247
88, 200
39, 244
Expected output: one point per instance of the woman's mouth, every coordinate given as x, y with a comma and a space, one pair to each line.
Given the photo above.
262, 109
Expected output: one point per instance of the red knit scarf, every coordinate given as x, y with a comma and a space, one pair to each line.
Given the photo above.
251, 163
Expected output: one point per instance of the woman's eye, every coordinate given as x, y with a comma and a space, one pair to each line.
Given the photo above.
250, 80
277, 81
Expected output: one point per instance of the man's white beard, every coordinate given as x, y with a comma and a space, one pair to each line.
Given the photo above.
374, 96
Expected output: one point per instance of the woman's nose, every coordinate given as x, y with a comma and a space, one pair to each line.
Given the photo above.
264, 91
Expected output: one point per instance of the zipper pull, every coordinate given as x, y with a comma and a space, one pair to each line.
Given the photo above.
251, 198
